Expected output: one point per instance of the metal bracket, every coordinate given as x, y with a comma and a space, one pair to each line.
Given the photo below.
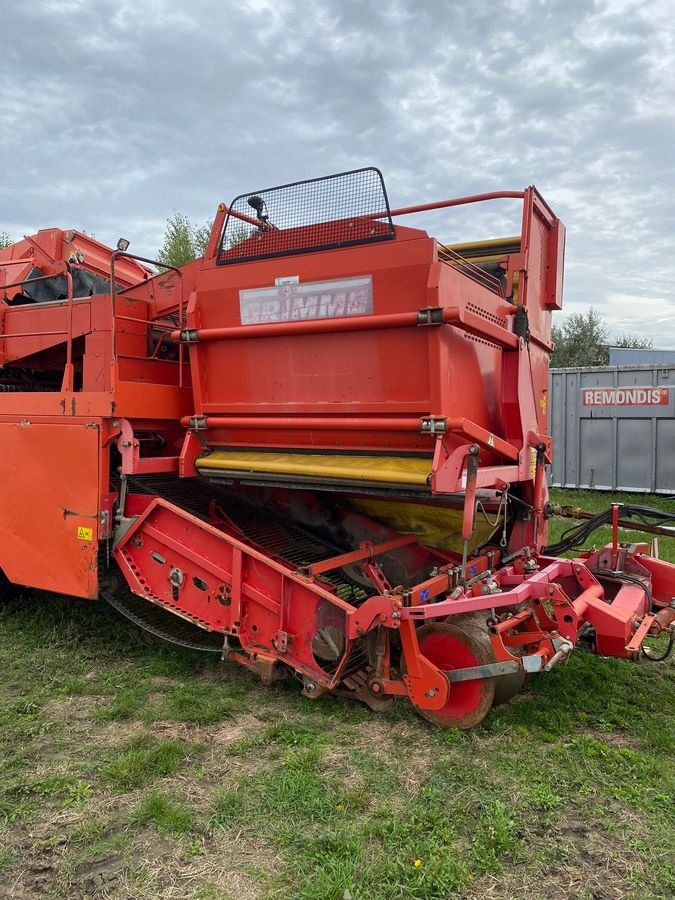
533, 662
197, 423
124, 523
486, 671
433, 425
280, 641
189, 336
432, 315
563, 649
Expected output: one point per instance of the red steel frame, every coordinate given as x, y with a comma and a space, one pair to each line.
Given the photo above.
490, 435
539, 606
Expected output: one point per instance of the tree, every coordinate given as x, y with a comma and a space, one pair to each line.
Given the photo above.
183, 241
5, 240
632, 342
582, 339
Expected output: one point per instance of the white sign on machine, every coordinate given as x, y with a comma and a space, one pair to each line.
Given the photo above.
291, 301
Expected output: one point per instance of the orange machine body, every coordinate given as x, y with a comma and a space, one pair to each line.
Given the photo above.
322, 444
73, 371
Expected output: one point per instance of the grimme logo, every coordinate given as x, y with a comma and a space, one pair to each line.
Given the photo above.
629, 396
311, 300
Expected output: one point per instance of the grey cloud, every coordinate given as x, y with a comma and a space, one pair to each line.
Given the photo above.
115, 113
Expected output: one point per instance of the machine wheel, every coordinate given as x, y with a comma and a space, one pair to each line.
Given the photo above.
506, 686
451, 647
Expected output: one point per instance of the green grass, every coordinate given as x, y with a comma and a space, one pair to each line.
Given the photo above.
597, 501
143, 761
132, 768
164, 813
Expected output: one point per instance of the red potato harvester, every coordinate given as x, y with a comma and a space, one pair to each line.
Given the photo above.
320, 449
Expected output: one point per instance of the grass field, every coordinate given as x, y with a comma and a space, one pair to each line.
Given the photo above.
131, 769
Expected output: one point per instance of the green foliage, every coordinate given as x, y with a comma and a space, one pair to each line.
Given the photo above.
582, 339
201, 234
633, 342
200, 704
495, 836
183, 241
5, 240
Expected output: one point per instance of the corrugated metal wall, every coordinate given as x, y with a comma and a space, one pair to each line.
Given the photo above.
635, 356
613, 428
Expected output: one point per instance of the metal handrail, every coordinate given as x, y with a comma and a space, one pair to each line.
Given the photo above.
444, 204
153, 262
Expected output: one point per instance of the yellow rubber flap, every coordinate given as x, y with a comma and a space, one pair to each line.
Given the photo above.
435, 526
379, 469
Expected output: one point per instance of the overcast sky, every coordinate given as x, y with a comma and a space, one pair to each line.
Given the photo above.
114, 113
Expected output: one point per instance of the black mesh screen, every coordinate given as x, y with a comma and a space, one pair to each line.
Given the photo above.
321, 214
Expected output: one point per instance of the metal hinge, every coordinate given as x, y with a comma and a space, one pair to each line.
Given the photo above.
197, 423
189, 336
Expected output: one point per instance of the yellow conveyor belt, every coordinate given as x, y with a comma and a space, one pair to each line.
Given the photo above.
394, 470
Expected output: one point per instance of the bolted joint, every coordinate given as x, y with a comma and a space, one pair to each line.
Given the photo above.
433, 425
197, 423
432, 315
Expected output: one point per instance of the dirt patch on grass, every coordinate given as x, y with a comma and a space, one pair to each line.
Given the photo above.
241, 728
577, 857
617, 739
73, 708
235, 864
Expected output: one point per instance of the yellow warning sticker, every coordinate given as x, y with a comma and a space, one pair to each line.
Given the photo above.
85, 534
533, 454
533, 463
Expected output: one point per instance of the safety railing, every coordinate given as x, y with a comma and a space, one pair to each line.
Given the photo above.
444, 204
116, 254
447, 254
471, 270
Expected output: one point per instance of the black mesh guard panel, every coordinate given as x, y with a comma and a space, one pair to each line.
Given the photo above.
320, 214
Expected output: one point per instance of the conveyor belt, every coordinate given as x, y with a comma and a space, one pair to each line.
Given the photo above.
392, 472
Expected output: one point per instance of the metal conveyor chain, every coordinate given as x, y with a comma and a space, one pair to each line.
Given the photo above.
164, 625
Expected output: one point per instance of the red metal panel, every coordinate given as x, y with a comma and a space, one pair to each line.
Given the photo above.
49, 505
214, 580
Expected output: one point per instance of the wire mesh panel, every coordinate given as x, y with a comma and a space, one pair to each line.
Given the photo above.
320, 214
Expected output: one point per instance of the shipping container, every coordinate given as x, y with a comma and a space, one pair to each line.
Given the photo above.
637, 356
613, 428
